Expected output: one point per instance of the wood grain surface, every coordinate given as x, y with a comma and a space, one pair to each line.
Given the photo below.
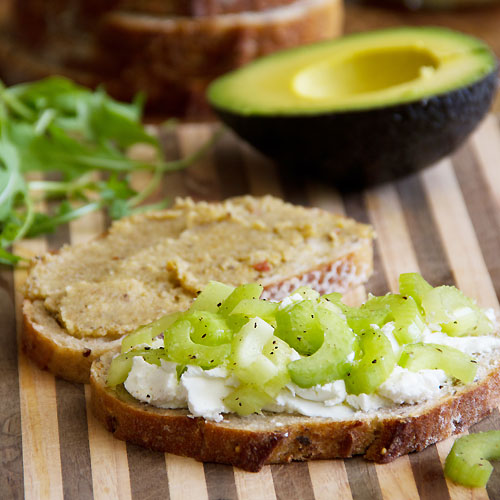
444, 222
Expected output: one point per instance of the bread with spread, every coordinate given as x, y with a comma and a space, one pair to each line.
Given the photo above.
80, 301
391, 377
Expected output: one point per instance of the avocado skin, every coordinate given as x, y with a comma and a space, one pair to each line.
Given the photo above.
354, 149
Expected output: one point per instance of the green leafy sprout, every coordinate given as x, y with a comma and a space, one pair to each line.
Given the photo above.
54, 128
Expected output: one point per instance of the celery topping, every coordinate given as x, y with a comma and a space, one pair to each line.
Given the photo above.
309, 341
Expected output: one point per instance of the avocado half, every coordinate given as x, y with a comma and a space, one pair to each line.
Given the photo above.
362, 109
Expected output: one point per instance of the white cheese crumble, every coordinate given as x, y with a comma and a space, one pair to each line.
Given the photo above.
156, 385
206, 390
405, 386
468, 345
292, 299
367, 402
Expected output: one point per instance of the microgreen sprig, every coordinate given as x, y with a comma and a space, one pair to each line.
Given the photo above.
55, 128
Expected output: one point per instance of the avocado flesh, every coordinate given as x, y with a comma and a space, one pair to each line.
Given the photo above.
362, 71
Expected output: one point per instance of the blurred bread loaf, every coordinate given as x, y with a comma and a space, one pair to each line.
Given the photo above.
168, 49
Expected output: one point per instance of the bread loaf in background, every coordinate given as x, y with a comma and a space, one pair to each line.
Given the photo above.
169, 49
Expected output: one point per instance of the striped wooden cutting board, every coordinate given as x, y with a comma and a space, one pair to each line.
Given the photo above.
444, 222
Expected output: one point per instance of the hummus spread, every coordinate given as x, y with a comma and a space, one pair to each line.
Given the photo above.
151, 264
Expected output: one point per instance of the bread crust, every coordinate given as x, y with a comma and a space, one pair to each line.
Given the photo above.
44, 341
251, 442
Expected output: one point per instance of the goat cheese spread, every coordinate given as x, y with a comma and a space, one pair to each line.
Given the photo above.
203, 391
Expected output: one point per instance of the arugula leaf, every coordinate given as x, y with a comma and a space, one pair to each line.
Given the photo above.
80, 138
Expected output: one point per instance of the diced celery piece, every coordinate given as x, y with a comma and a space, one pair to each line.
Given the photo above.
376, 362
121, 364
331, 306
181, 349
307, 293
413, 285
408, 322
242, 292
256, 308
145, 334
248, 362
455, 363
246, 399
457, 314
335, 298
212, 297
279, 352
299, 327
119, 369
208, 328
329, 361
467, 462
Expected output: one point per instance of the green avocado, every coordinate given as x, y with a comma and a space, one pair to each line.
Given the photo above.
364, 108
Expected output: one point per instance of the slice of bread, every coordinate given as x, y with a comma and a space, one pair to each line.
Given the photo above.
253, 441
83, 299
172, 59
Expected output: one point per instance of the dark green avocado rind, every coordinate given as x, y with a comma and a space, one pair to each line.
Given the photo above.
363, 147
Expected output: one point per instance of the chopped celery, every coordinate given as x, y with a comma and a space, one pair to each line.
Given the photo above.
208, 328
212, 296
329, 362
181, 349
307, 293
252, 308
457, 314
119, 369
121, 364
246, 399
242, 292
436, 356
279, 352
248, 361
335, 298
145, 334
467, 462
413, 285
375, 364
298, 326
408, 322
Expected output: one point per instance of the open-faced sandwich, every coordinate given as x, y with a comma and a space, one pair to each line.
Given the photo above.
240, 380
82, 300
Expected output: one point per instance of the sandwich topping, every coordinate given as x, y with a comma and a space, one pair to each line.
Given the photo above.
232, 352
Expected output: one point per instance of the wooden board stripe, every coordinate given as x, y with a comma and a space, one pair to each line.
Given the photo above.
186, 478
483, 210
11, 451
41, 457
220, 482
292, 481
463, 252
251, 486
486, 143
355, 207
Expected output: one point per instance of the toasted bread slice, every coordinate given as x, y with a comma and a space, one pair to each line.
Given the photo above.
253, 441
83, 299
